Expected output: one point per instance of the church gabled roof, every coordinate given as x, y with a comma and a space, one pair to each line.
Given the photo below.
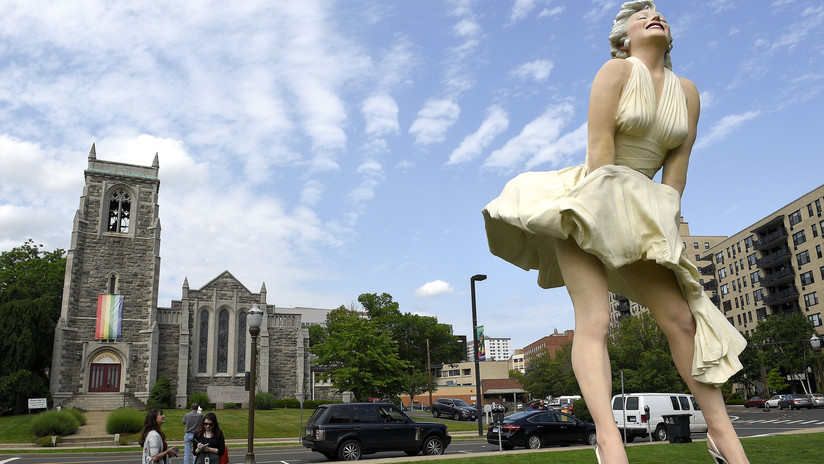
226, 275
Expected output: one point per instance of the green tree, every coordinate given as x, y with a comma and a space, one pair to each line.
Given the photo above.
560, 374
536, 381
411, 332
639, 348
359, 357
31, 289
782, 342
161, 396
775, 381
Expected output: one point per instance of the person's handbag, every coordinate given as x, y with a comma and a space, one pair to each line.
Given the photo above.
224, 458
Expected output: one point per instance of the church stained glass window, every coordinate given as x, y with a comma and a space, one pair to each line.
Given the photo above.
203, 345
241, 342
120, 204
222, 341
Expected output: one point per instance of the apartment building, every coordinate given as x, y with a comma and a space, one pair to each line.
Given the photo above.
516, 361
772, 267
775, 266
547, 345
496, 349
697, 247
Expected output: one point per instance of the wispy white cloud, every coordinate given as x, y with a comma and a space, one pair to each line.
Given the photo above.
724, 126
381, 115
549, 12
521, 9
707, 99
540, 141
372, 174
433, 120
537, 70
497, 121
432, 289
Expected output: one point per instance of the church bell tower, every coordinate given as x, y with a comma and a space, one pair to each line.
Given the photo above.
106, 340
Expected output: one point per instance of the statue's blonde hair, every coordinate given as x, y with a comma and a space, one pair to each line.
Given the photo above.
619, 29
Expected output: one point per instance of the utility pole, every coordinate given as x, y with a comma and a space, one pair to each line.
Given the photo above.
429, 371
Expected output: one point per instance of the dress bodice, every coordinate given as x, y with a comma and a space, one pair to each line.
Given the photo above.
645, 129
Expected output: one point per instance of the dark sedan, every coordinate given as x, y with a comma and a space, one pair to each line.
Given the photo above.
755, 402
537, 429
795, 402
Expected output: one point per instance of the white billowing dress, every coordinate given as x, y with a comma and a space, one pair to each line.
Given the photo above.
619, 214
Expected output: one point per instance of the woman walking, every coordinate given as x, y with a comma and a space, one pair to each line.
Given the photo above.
153, 440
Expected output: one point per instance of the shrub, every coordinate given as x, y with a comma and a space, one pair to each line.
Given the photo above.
78, 415
291, 403
264, 400
161, 395
202, 400
313, 404
54, 423
231, 406
46, 442
124, 420
581, 410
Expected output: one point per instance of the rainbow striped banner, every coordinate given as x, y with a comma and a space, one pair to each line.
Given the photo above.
109, 316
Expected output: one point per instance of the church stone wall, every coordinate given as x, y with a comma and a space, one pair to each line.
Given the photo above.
156, 341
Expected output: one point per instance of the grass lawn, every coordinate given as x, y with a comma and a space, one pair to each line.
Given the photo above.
802, 448
278, 423
285, 423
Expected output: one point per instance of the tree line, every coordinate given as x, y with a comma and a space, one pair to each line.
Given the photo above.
778, 347
31, 292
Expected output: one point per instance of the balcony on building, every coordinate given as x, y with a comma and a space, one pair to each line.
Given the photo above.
786, 309
709, 269
769, 226
780, 277
772, 238
781, 297
774, 258
711, 285
716, 300
622, 306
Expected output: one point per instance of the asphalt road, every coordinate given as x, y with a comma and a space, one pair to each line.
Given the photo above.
748, 423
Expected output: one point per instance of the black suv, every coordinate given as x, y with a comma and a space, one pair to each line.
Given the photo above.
454, 408
346, 431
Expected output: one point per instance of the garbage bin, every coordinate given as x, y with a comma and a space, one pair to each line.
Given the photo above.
678, 428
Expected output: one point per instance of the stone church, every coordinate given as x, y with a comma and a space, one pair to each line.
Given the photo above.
112, 342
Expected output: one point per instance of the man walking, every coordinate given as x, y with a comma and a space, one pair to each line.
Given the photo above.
192, 420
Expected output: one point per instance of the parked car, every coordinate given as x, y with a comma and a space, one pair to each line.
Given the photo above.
773, 402
536, 429
795, 402
346, 431
755, 402
454, 408
633, 417
817, 400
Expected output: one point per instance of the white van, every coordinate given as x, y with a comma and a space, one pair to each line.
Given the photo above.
633, 419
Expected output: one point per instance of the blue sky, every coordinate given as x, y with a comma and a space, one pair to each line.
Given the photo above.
330, 149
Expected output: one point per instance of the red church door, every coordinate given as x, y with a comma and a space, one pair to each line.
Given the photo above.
104, 378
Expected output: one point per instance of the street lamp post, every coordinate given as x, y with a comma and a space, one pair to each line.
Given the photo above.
815, 342
254, 319
479, 395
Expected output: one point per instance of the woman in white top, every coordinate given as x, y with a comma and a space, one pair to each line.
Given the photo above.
153, 440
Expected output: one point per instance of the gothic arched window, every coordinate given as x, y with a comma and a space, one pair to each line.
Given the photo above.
120, 205
241, 342
222, 341
203, 346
